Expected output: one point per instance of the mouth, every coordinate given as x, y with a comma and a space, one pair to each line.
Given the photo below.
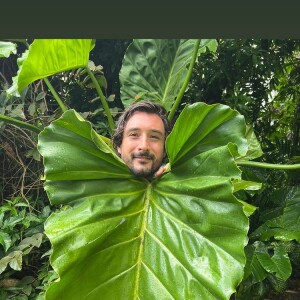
143, 157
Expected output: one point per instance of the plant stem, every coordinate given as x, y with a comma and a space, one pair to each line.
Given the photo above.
186, 81
102, 99
267, 165
20, 123
57, 98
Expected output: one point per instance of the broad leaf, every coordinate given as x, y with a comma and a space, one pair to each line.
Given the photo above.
209, 126
155, 69
180, 236
46, 57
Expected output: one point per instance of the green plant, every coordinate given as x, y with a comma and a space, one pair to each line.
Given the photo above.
117, 221
243, 73
212, 132
22, 242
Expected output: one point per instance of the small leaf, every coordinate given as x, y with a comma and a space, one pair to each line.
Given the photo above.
40, 96
34, 153
248, 208
246, 185
18, 112
102, 81
91, 65
33, 241
111, 98
253, 267
7, 48
3, 263
13, 259
254, 148
32, 109
16, 261
43, 107
5, 240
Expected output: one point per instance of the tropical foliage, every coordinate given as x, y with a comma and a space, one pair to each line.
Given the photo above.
168, 232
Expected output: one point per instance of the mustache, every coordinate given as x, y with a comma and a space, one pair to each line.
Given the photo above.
143, 155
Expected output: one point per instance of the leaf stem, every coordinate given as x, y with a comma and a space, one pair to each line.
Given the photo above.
268, 165
186, 81
20, 123
102, 99
57, 98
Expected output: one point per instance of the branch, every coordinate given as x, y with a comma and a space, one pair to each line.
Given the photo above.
102, 99
267, 165
20, 123
57, 98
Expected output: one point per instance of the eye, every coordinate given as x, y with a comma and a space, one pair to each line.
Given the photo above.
133, 134
155, 137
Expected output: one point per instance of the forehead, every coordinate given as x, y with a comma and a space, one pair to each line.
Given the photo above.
145, 121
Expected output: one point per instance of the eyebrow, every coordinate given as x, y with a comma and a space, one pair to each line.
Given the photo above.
151, 130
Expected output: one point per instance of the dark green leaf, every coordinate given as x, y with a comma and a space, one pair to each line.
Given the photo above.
278, 263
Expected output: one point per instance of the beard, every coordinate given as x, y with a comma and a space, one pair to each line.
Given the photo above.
146, 171
142, 173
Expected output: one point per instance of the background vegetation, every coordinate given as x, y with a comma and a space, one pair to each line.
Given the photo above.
259, 78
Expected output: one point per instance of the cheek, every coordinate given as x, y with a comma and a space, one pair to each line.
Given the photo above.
160, 150
126, 147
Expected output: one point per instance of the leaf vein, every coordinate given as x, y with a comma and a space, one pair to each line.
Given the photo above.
199, 277
150, 271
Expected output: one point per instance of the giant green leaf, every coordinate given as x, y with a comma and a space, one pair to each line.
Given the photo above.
46, 57
180, 236
155, 69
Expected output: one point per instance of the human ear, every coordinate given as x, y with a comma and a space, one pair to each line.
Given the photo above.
119, 150
165, 154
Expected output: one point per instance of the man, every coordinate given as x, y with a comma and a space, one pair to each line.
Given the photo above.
140, 137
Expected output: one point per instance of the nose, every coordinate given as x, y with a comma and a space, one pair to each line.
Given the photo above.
143, 143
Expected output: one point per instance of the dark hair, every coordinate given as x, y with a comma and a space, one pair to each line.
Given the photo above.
142, 106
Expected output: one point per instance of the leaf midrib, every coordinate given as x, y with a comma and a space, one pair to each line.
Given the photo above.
142, 236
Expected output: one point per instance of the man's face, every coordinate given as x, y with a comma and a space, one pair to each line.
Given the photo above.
142, 147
